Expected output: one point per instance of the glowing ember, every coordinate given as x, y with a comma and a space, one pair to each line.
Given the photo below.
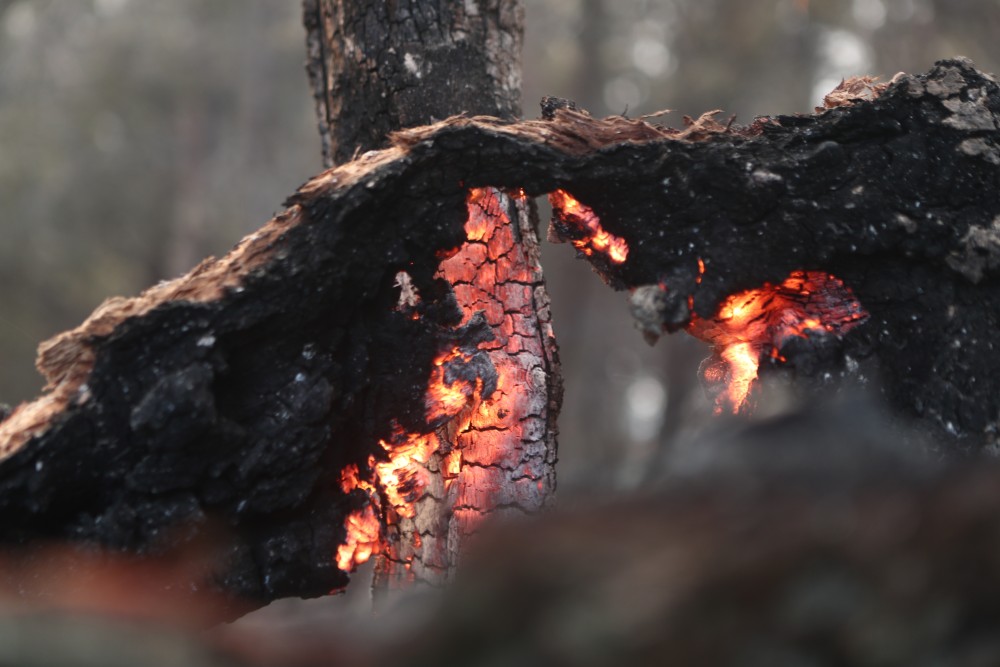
446, 399
584, 228
742, 360
453, 464
350, 479
435, 485
403, 477
363, 538
477, 227
362, 525
760, 321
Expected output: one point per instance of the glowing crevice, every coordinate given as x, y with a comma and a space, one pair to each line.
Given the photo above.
585, 230
479, 430
759, 322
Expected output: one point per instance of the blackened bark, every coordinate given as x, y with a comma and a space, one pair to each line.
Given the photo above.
239, 391
896, 196
376, 67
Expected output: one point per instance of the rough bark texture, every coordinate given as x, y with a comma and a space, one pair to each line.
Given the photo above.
240, 390
376, 68
897, 196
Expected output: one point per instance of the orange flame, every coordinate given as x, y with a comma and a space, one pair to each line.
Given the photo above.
403, 477
758, 321
362, 525
363, 538
743, 362
477, 227
583, 220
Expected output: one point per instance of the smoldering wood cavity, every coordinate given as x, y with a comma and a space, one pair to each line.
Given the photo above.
236, 394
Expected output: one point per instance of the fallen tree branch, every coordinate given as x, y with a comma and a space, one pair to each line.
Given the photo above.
242, 390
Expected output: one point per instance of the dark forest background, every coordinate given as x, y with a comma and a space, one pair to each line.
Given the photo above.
137, 137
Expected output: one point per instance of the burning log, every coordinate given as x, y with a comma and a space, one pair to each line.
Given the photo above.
771, 321
327, 369
314, 388
482, 444
869, 230
486, 443
335, 388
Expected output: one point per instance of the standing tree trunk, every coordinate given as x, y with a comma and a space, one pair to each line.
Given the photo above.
376, 68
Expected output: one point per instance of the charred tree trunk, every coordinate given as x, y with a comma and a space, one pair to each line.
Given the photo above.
258, 392
376, 68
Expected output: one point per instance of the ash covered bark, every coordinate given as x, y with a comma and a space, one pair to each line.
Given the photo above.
240, 390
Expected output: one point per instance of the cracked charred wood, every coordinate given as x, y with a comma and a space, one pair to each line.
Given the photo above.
303, 421
375, 69
243, 391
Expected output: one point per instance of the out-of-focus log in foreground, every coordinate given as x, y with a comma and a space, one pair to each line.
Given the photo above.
236, 395
814, 538
808, 539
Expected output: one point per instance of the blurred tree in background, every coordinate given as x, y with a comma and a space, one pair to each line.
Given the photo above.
137, 137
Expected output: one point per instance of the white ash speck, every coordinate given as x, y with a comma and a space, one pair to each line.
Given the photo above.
851, 364
411, 65
766, 176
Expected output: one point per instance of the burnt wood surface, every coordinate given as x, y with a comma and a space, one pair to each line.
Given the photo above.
376, 68
234, 394
897, 196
